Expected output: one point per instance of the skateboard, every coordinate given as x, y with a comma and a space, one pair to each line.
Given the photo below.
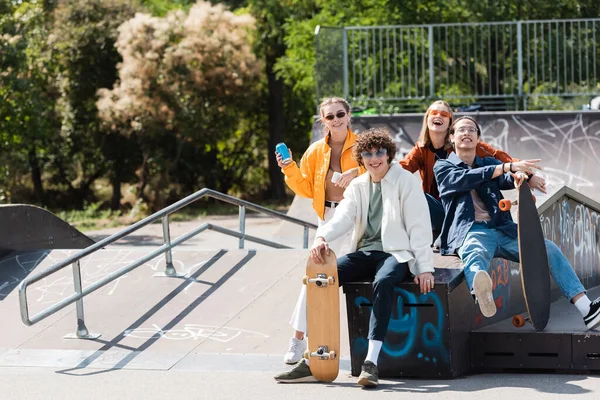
534, 270
323, 314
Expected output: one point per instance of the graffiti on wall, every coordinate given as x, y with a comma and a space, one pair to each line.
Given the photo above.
567, 142
575, 228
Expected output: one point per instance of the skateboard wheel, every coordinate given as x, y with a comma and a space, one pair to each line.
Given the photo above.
518, 321
504, 205
305, 280
331, 280
333, 355
307, 354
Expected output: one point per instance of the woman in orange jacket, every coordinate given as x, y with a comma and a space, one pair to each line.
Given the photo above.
434, 144
326, 169
329, 156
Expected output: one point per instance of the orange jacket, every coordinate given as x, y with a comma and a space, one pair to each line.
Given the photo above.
308, 180
421, 159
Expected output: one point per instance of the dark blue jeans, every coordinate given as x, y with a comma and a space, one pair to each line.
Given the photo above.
384, 271
436, 212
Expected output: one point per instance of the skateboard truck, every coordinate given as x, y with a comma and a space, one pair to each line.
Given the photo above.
321, 280
322, 352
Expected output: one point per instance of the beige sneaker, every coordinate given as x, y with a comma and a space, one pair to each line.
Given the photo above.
482, 286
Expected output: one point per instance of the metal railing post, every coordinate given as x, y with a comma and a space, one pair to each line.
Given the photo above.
345, 69
520, 60
165, 248
242, 213
305, 242
431, 64
82, 331
170, 270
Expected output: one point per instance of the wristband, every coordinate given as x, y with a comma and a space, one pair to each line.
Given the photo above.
511, 168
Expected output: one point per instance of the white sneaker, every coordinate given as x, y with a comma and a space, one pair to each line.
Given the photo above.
295, 351
482, 286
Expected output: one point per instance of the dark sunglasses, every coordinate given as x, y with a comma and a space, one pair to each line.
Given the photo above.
369, 154
340, 115
443, 114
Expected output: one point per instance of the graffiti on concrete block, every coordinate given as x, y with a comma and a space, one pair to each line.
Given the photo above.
575, 228
415, 331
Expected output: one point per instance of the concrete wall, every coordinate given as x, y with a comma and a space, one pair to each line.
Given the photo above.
567, 142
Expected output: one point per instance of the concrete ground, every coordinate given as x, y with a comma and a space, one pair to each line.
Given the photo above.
217, 332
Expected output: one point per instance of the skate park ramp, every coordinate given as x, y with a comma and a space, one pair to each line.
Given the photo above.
28, 227
229, 303
230, 310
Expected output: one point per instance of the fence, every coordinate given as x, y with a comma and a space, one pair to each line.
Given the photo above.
518, 65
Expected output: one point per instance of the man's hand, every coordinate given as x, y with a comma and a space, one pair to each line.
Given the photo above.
526, 166
318, 249
425, 281
519, 178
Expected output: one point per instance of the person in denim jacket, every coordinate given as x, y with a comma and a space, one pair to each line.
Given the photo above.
477, 230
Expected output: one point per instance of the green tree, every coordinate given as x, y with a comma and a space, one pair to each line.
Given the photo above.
28, 125
186, 86
82, 42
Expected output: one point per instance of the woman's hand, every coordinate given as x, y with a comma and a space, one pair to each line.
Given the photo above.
539, 183
319, 249
425, 281
279, 159
347, 177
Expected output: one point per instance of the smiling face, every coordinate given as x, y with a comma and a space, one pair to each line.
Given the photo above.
376, 162
335, 118
464, 134
438, 118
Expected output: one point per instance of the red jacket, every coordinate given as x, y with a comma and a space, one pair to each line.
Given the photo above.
421, 159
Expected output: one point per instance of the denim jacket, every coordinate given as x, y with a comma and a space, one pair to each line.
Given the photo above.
455, 182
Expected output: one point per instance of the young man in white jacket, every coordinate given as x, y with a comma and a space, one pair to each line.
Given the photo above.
391, 236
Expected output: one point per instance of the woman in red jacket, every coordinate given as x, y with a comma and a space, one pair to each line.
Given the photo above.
434, 144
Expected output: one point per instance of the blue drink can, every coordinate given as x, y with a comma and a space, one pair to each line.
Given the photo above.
283, 151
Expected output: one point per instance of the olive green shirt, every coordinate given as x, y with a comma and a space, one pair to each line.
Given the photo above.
371, 240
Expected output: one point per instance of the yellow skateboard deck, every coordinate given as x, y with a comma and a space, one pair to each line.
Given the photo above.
323, 314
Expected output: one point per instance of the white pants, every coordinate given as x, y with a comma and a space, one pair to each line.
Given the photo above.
340, 246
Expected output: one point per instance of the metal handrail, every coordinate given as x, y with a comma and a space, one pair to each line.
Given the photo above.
163, 214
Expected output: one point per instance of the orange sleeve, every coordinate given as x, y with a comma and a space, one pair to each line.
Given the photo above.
485, 150
413, 160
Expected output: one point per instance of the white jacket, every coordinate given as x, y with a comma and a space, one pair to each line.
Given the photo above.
405, 226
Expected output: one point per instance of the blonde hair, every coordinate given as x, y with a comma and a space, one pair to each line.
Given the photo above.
424, 137
333, 100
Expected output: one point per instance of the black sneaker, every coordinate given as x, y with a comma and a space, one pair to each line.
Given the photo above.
300, 373
368, 376
592, 320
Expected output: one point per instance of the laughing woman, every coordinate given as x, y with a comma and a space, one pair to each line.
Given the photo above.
434, 144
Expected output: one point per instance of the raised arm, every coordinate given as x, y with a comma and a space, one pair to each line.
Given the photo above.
301, 179
486, 150
452, 179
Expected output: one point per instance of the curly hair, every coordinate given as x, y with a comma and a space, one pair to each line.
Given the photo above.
374, 138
